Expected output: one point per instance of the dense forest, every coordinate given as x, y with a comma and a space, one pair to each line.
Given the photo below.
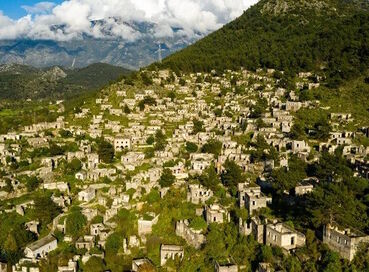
329, 36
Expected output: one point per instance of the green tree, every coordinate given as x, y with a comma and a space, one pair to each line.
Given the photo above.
198, 126
146, 79
148, 100
259, 108
149, 152
212, 147
45, 209
231, 176
75, 165
113, 243
166, 178
94, 264
8, 186
11, 248
75, 223
160, 141
210, 178
150, 140
215, 246
65, 133
126, 109
56, 150
198, 223
172, 95
105, 151
191, 147
32, 183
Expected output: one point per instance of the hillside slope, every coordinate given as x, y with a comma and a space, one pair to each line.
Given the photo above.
287, 35
23, 82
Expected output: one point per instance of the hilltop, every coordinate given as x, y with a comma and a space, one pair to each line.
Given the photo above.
330, 36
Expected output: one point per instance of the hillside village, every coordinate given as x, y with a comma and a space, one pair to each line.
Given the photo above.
191, 172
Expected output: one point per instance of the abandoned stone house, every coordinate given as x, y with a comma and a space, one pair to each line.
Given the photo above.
255, 226
299, 146
265, 267
61, 186
38, 142
138, 263
345, 241
85, 242
179, 171
281, 235
96, 229
227, 265
293, 106
61, 201
252, 198
122, 143
343, 117
198, 194
96, 174
200, 161
302, 188
193, 237
41, 248
109, 213
32, 226
145, 224
170, 252
132, 158
81, 175
92, 161
87, 195
216, 214
70, 267
117, 112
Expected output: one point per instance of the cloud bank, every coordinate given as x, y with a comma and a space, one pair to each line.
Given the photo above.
108, 18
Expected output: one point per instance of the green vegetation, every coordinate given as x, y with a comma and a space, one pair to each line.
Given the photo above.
13, 236
231, 176
76, 221
28, 82
301, 37
198, 223
105, 151
160, 141
166, 178
198, 126
210, 178
15, 114
148, 100
32, 183
212, 147
191, 147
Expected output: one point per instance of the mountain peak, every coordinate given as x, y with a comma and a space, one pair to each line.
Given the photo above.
282, 7
318, 7
287, 35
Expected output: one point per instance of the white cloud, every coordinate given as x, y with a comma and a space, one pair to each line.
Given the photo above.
41, 7
72, 18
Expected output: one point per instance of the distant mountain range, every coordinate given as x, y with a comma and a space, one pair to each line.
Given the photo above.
88, 50
26, 82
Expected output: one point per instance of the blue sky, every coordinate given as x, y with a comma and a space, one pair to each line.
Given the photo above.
13, 8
